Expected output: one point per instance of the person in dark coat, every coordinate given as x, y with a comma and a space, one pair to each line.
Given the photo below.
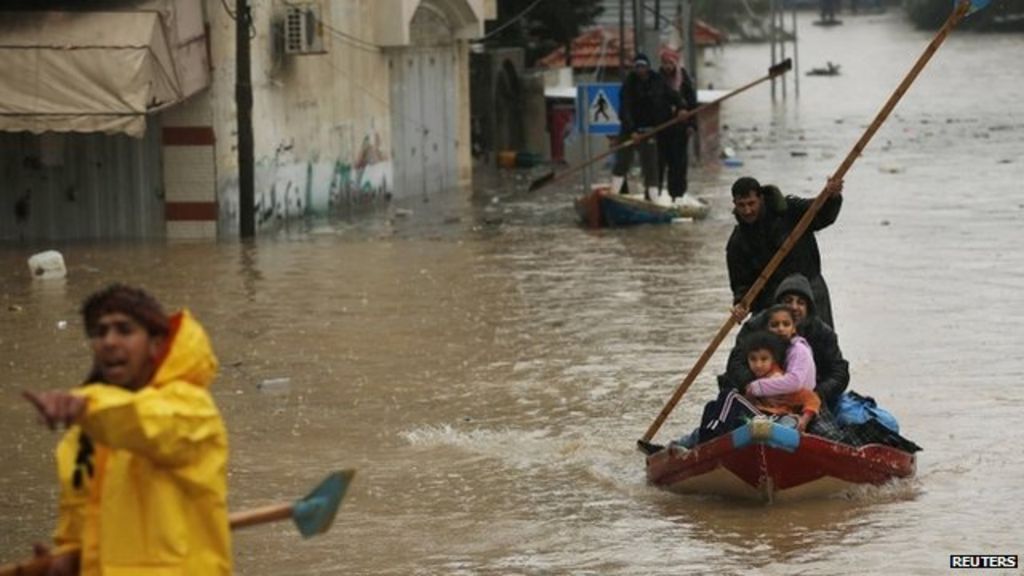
647, 101
764, 219
673, 154
831, 369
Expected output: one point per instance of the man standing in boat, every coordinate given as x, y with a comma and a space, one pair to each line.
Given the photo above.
647, 101
764, 219
142, 466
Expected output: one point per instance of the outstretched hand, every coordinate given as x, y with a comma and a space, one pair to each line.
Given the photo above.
56, 407
834, 187
739, 312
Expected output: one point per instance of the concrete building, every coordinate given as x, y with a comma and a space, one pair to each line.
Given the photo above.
132, 133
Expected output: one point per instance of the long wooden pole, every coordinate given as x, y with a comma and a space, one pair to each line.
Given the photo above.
774, 71
958, 14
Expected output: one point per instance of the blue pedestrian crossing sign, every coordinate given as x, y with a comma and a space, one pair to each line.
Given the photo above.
598, 108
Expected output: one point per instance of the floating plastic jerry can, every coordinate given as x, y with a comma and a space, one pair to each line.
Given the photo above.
47, 265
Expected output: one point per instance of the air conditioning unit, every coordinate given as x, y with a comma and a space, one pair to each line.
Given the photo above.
303, 29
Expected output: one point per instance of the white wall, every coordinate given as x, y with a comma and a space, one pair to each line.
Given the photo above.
322, 122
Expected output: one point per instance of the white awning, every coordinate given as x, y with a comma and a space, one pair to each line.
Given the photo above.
84, 71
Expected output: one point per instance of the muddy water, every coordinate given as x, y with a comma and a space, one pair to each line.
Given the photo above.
487, 365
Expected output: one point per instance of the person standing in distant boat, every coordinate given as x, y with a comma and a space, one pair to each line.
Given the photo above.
673, 152
647, 101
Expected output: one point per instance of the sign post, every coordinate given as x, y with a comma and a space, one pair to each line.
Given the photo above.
597, 108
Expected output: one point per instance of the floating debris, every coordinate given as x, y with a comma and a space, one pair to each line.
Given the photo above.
47, 265
830, 69
275, 386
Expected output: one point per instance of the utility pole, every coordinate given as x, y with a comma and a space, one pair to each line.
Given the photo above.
638, 28
689, 31
622, 41
243, 104
773, 38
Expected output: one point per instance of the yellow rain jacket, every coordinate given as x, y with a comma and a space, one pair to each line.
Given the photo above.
145, 495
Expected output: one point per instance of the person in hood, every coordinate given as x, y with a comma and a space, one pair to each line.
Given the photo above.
764, 219
142, 466
673, 142
832, 371
647, 101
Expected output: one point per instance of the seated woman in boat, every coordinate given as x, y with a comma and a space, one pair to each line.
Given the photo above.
832, 371
776, 392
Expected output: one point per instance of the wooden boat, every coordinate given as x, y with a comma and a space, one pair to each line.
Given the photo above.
766, 461
601, 208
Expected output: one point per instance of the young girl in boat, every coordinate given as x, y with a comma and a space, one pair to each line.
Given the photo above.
778, 392
785, 394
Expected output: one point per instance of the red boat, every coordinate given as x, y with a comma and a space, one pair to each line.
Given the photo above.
769, 462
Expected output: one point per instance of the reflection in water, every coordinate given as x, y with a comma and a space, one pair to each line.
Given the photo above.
487, 365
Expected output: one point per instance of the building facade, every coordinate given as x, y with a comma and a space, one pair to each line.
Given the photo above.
354, 102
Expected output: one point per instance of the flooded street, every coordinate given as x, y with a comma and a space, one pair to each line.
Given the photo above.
487, 365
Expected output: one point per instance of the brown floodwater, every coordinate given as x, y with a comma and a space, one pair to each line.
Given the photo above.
487, 365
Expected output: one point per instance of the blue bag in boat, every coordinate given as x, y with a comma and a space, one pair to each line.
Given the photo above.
856, 409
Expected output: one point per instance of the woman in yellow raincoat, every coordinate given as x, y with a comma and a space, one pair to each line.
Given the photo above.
143, 464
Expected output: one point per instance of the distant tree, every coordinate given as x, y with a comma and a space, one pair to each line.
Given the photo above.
546, 26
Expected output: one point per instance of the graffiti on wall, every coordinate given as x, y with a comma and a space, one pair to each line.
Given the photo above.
362, 182
288, 186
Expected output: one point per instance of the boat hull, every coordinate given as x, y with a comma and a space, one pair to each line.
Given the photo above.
600, 208
768, 462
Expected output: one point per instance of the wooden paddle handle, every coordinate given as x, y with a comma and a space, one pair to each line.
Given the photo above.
34, 567
259, 516
958, 14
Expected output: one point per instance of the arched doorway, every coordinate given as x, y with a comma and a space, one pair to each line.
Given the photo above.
424, 101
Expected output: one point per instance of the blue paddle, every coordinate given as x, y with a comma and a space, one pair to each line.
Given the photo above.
312, 515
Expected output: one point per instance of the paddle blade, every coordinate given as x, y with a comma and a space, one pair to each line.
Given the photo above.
542, 181
975, 5
314, 514
781, 68
647, 447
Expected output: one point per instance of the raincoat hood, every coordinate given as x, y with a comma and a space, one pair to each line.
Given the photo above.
188, 355
799, 285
